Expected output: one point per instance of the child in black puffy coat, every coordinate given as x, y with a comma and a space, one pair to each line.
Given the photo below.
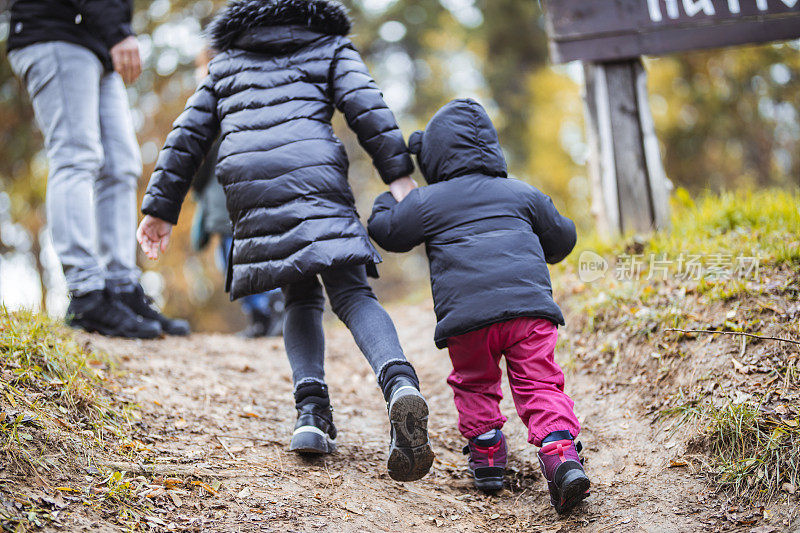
489, 239
282, 68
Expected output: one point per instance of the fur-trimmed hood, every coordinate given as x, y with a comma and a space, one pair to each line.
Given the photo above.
242, 16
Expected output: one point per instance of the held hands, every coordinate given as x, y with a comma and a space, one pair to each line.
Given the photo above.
126, 60
153, 235
401, 187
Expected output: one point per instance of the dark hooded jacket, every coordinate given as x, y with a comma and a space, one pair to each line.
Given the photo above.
94, 24
488, 237
283, 67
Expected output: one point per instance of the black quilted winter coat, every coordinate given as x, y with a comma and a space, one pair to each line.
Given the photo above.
488, 237
283, 67
94, 24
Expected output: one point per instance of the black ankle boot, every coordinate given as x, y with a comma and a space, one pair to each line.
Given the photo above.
314, 432
141, 304
410, 452
98, 311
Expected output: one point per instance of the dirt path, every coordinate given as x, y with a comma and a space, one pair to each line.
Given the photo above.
200, 394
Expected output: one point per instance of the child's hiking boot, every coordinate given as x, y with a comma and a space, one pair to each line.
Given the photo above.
314, 432
487, 460
410, 452
563, 469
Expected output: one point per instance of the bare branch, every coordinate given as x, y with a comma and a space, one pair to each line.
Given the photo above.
739, 333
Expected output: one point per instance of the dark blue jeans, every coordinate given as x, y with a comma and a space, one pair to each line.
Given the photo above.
255, 303
353, 301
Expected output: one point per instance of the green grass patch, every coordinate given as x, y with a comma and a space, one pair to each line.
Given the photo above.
722, 247
718, 227
750, 448
56, 414
751, 434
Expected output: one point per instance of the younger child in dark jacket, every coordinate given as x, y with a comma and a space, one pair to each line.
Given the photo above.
488, 239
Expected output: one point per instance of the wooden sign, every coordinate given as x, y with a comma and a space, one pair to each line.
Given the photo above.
608, 30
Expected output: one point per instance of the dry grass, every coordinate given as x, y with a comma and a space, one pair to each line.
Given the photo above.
748, 414
56, 417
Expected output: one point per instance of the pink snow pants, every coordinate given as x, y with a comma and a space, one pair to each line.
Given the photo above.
537, 382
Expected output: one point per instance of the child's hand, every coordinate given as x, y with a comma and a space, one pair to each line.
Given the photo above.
401, 187
153, 234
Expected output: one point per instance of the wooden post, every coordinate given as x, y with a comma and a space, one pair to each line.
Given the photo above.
630, 189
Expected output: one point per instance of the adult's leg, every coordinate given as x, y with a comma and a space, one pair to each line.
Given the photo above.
353, 301
303, 335
63, 82
537, 382
475, 381
115, 206
115, 189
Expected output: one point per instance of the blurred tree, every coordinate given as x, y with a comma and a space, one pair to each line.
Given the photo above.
729, 118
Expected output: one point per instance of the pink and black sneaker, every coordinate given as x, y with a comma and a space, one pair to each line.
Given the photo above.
563, 469
487, 460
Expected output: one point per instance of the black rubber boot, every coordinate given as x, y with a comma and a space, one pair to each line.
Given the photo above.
314, 432
100, 312
410, 452
141, 304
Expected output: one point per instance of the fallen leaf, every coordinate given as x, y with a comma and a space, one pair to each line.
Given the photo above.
156, 493
175, 499
676, 463
244, 493
205, 486
788, 487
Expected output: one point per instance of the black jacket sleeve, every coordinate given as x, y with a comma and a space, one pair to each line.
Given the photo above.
556, 232
192, 135
357, 96
397, 227
110, 18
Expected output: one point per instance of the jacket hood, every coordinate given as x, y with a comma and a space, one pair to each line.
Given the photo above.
257, 22
459, 140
